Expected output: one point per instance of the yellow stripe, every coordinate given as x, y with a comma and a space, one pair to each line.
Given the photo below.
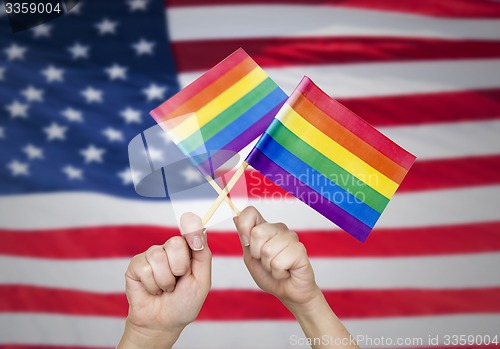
169, 126
221, 103
335, 152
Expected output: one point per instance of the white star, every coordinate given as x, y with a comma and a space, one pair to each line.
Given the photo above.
33, 152
2, 73
17, 109
18, 168
33, 94
79, 51
155, 153
155, 92
15, 51
42, 31
131, 115
92, 95
2, 133
55, 131
191, 175
113, 134
116, 72
126, 176
92, 154
73, 172
53, 74
144, 47
137, 5
72, 114
106, 27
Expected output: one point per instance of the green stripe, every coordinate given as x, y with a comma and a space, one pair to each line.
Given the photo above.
232, 113
309, 155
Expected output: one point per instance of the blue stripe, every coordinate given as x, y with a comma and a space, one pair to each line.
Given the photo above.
243, 124
317, 181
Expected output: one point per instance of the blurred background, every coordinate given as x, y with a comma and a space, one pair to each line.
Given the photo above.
76, 90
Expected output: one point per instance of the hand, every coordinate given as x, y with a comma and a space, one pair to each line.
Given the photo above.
276, 259
279, 265
166, 287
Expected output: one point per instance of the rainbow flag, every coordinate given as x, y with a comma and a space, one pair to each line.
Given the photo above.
332, 160
221, 112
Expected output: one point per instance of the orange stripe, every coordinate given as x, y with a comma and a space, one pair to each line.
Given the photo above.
346, 138
215, 89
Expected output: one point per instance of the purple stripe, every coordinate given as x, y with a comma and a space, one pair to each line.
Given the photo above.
344, 220
246, 137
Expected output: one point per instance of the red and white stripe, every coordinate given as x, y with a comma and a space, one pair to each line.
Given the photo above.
426, 73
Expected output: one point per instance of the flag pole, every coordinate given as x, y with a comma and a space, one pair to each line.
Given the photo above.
219, 191
224, 192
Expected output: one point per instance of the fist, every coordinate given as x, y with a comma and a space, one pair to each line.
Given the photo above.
276, 259
167, 285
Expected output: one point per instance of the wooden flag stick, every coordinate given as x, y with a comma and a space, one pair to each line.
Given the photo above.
219, 191
224, 193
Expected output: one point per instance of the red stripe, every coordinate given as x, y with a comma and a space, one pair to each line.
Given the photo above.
441, 8
356, 303
257, 305
427, 108
21, 298
452, 173
353, 123
280, 52
350, 142
86, 243
222, 68
424, 175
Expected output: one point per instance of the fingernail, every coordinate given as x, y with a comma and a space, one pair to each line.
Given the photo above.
244, 240
197, 243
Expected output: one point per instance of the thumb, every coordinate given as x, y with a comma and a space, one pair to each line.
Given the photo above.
194, 233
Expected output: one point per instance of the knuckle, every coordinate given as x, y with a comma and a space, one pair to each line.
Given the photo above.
179, 269
154, 254
267, 251
175, 243
145, 269
168, 283
254, 252
250, 210
179, 263
135, 260
152, 248
294, 236
281, 227
275, 266
258, 232
301, 247
276, 263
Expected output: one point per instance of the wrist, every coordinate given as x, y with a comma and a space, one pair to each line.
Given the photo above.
310, 307
139, 337
317, 319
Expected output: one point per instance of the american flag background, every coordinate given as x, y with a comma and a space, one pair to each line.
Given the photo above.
75, 91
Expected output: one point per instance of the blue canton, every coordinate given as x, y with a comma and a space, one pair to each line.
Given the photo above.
76, 90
